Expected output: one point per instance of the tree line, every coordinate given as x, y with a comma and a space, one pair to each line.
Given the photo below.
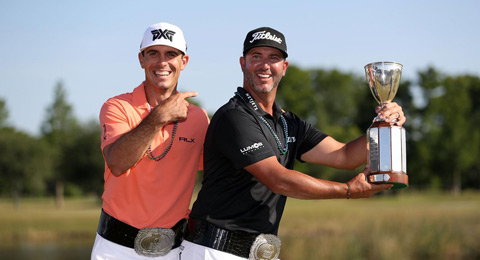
64, 160
443, 133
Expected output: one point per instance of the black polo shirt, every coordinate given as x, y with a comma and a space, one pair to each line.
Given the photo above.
231, 197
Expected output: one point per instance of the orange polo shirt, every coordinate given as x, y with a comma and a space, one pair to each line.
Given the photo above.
152, 193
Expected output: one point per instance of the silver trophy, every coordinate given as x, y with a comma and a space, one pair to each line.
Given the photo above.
386, 141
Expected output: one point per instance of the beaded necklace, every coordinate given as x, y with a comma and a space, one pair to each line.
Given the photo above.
162, 155
282, 149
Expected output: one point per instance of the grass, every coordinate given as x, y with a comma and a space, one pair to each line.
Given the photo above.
39, 221
406, 226
400, 227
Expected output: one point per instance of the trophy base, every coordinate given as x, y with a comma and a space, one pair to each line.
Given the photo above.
399, 180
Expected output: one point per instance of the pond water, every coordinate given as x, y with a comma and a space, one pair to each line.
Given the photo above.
47, 251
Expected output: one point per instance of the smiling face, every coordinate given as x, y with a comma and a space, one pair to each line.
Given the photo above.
162, 65
263, 68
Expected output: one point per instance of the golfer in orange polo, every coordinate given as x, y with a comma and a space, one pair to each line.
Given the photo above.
152, 143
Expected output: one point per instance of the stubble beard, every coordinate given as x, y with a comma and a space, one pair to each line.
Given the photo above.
257, 87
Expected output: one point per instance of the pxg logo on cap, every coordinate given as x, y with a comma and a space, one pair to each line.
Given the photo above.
164, 34
158, 34
265, 37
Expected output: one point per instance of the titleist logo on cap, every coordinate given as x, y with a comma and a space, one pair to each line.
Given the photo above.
264, 35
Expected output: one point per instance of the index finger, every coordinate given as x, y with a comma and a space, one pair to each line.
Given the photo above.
187, 94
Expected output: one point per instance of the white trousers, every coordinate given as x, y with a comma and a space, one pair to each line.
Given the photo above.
192, 251
107, 250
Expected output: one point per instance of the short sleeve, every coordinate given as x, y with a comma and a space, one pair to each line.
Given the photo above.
238, 136
114, 122
311, 137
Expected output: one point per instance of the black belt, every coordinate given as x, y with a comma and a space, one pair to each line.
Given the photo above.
123, 234
206, 234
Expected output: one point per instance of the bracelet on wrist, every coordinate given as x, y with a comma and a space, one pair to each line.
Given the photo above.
348, 191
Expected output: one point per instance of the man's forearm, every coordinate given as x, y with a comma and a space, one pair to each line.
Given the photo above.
124, 153
356, 152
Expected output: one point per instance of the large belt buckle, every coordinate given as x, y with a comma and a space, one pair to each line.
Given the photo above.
265, 247
153, 242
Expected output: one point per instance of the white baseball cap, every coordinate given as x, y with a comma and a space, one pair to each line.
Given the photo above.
164, 34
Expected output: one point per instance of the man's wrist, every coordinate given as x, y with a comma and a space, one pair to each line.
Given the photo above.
348, 191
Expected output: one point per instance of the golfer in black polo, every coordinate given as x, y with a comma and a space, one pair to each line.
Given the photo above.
249, 154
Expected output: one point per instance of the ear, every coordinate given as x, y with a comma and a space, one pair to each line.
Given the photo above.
285, 66
140, 59
242, 63
185, 60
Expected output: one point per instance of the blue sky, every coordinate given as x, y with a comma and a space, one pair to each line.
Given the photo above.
92, 46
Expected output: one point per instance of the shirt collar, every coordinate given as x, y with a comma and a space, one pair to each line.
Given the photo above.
139, 97
243, 94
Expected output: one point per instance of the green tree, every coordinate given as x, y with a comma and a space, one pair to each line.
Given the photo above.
25, 163
3, 113
421, 158
296, 93
58, 130
445, 131
86, 165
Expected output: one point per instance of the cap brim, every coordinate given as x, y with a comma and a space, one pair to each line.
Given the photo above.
285, 55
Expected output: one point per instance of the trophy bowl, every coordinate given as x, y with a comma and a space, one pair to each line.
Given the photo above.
383, 80
386, 141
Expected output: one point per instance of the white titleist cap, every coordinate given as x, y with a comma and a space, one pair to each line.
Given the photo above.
164, 34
